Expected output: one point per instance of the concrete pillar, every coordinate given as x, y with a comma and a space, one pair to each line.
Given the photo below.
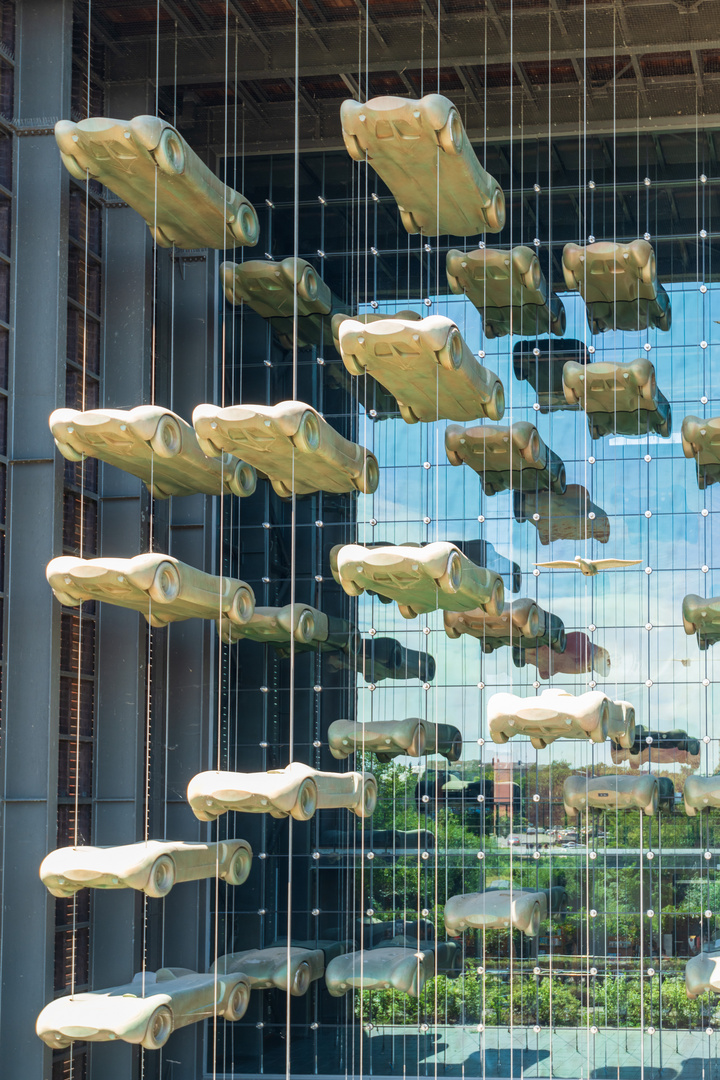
30, 721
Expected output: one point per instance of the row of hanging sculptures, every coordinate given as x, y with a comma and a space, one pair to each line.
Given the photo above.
432, 374
421, 151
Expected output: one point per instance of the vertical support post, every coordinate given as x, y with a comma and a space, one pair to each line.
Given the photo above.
30, 736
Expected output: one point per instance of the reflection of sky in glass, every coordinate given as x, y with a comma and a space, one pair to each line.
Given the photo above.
675, 541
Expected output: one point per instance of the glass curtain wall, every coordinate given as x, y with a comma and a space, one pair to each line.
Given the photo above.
600, 990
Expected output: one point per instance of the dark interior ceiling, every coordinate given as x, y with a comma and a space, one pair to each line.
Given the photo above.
514, 67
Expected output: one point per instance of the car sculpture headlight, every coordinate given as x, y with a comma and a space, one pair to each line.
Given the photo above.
159, 586
419, 148
570, 516
418, 579
509, 290
291, 444
426, 365
390, 966
619, 285
506, 457
146, 1011
622, 399
553, 714
296, 791
701, 441
153, 444
613, 792
388, 739
149, 165
151, 866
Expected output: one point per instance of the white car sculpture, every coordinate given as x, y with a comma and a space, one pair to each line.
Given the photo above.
287, 442
270, 289
427, 367
268, 968
701, 616
702, 974
418, 579
296, 791
619, 285
153, 444
553, 714
621, 399
150, 166
388, 739
701, 793
162, 588
522, 623
589, 567
309, 627
420, 148
509, 290
495, 910
571, 516
615, 792
393, 965
701, 441
152, 867
505, 457
146, 1011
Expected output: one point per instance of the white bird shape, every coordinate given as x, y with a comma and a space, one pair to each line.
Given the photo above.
589, 567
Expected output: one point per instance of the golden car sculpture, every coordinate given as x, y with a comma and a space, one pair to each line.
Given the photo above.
291, 444
425, 365
619, 285
509, 290
420, 149
619, 399
277, 290
154, 444
506, 457
149, 165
